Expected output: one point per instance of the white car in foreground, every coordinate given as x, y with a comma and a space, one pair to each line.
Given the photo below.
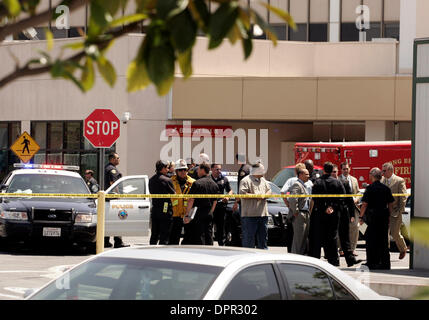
199, 272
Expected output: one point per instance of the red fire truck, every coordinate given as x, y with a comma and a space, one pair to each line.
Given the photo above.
361, 156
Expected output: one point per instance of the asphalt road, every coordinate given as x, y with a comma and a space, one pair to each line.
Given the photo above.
29, 268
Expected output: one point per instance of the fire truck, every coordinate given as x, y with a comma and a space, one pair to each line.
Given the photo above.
361, 156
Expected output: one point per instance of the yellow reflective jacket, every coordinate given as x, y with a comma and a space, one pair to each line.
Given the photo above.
179, 205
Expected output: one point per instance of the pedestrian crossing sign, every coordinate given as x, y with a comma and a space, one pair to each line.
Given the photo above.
25, 147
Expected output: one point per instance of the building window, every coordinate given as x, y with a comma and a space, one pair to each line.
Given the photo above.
318, 32
374, 31
300, 34
349, 32
9, 132
391, 30
280, 30
62, 142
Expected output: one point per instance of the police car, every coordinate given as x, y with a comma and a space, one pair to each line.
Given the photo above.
72, 219
29, 218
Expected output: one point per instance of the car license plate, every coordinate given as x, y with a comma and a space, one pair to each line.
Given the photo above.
52, 232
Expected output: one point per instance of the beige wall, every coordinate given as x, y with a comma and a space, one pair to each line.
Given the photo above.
310, 99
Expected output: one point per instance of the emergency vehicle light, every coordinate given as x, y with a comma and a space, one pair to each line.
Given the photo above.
44, 166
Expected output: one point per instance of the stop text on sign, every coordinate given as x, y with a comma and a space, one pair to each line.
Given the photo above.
101, 127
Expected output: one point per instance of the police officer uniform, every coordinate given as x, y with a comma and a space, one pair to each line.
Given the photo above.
323, 226
219, 213
200, 229
377, 196
161, 212
111, 174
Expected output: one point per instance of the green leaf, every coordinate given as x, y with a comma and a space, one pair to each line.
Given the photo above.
74, 46
30, 6
137, 77
164, 7
221, 23
49, 38
269, 31
181, 6
128, 20
70, 76
106, 70
282, 14
13, 6
185, 63
88, 78
247, 44
419, 230
57, 69
200, 13
99, 19
183, 31
160, 67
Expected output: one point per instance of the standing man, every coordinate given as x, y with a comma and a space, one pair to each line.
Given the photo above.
91, 182
254, 211
161, 212
396, 185
201, 224
182, 185
111, 174
220, 210
243, 172
345, 177
325, 216
377, 207
300, 209
193, 172
309, 165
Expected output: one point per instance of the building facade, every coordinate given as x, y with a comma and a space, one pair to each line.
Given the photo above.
328, 81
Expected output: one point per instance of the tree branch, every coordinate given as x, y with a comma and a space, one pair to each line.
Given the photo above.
27, 70
36, 20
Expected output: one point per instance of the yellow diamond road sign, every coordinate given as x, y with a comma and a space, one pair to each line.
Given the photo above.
25, 147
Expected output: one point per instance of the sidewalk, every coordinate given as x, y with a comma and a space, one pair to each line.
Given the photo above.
399, 282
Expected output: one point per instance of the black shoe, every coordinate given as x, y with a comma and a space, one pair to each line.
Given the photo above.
121, 245
352, 262
108, 245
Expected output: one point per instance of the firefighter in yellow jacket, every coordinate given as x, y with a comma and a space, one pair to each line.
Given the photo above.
182, 185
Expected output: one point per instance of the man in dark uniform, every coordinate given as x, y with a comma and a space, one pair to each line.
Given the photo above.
91, 182
193, 172
161, 212
377, 205
220, 210
200, 230
111, 174
325, 216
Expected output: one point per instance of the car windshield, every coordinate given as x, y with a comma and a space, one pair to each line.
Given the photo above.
282, 176
275, 190
131, 279
46, 183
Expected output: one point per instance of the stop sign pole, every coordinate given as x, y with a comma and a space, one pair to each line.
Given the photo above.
102, 129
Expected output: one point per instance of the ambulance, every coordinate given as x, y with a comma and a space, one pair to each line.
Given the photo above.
361, 156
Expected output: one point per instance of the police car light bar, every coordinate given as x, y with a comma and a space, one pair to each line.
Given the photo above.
45, 166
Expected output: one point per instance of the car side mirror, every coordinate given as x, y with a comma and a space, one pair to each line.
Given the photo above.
3, 187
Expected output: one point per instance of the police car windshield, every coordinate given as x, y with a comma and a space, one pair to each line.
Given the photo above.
47, 183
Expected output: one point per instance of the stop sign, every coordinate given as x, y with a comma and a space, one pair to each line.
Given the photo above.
102, 128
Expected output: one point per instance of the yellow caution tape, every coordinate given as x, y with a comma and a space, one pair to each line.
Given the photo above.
186, 196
